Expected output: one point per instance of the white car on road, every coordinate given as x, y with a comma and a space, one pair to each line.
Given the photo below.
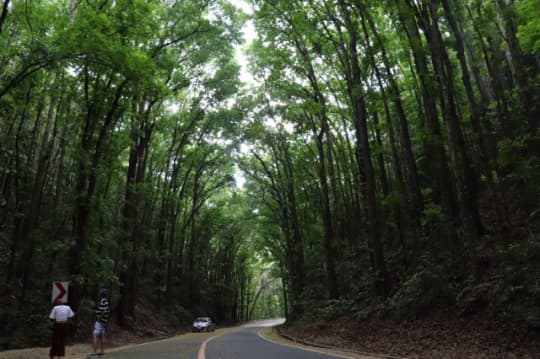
203, 324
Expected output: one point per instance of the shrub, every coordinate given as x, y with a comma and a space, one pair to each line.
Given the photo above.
428, 286
518, 290
319, 313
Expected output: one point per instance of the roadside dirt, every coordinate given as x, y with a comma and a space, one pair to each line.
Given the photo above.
115, 338
427, 338
72, 352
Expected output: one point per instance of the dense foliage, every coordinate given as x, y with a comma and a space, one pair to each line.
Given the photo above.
116, 165
391, 151
395, 148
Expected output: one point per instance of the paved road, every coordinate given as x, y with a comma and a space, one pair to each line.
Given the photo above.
247, 344
239, 343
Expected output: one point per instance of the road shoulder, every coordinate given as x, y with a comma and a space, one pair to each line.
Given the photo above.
272, 334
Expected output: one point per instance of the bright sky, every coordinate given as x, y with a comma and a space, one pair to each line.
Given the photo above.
249, 34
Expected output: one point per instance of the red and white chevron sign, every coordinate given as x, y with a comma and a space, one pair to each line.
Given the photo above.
60, 291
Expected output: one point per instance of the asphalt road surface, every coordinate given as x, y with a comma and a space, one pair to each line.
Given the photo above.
237, 343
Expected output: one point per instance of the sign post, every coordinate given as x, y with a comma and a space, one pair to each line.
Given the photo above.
60, 292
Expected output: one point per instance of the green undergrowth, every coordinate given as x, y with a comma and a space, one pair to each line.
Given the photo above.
509, 290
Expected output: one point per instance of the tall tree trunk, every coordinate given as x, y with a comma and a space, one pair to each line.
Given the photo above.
494, 74
329, 235
32, 212
193, 287
380, 157
466, 182
531, 108
16, 195
480, 136
322, 135
418, 203
354, 86
129, 216
141, 132
91, 150
297, 246
4, 13
396, 159
443, 184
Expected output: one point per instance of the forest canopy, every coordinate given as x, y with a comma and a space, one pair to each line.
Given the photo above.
390, 151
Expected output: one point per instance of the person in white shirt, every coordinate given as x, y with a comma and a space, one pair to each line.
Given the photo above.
60, 314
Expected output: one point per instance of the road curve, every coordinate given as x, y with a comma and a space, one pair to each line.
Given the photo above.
230, 343
245, 343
